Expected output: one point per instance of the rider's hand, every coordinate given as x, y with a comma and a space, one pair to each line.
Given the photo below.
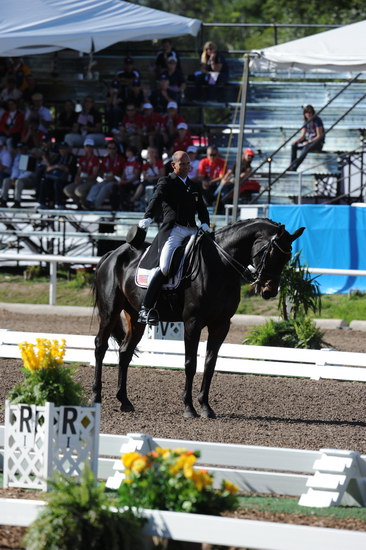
206, 228
144, 223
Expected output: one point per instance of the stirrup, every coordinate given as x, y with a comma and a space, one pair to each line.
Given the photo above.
148, 316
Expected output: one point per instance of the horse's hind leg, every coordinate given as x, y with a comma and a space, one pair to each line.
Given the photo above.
133, 336
109, 324
192, 332
216, 336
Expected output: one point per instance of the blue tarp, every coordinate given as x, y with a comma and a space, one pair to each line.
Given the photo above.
335, 237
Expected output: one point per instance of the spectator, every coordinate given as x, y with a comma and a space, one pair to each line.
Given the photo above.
66, 121
10, 91
214, 69
177, 82
161, 97
170, 123
161, 61
126, 77
246, 186
45, 154
311, 138
19, 179
6, 161
194, 163
12, 124
22, 74
210, 171
152, 124
130, 129
57, 175
152, 170
123, 190
31, 135
88, 125
86, 175
136, 95
37, 111
183, 139
111, 170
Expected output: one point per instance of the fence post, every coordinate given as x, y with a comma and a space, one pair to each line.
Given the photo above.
53, 282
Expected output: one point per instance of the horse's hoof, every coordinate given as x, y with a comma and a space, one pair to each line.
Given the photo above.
127, 407
190, 412
207, 412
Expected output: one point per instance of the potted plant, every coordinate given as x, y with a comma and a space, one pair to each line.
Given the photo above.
47, 425
167, 479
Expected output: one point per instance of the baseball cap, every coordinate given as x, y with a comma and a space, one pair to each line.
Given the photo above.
249, 152
89, 141
192, 149
172, 105
182, 125
163, 76
172, 58
147, 106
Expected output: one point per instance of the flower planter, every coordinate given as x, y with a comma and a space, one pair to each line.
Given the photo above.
40, 440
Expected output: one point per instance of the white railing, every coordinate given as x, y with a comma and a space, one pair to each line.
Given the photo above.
53, 260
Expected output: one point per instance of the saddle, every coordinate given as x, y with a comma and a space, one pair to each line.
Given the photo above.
176, 267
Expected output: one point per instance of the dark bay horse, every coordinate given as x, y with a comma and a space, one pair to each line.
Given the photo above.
253, 250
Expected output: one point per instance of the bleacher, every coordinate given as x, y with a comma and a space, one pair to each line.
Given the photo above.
273, 111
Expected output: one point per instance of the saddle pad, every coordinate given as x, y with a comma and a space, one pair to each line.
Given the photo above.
143, 276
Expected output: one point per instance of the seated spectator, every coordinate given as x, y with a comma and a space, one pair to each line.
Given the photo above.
111, 170
88, 125
152, 170
31, 135
210, 171
161, 61
246, 186
214, 69
311, 138
183, 139
160, 97
126, 77
130, 129
193, 168
37, 111
10, 91
66, 121
177, 82
86, 175
57, 175
45, 154
123, 189
12, 124
152, 124
136, 95
170, 123
19, 179
6, 161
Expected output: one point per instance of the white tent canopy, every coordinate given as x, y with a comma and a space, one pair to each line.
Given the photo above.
341, 49
41, 26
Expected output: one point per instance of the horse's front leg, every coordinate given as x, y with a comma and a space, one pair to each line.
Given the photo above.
101, 346
132, 338
216, 336
192, 333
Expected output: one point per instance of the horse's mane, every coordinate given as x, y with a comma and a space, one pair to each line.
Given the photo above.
243, 223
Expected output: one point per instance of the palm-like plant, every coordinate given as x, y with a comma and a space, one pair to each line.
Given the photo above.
298, 290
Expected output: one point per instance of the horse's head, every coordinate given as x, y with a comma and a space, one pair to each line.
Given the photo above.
269, 254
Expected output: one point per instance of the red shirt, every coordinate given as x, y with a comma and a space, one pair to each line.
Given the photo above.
12, 122
153, 171
175, 120
182, 144
153, 122
212, 168
132, 125
87, 164
114, 166
128, 172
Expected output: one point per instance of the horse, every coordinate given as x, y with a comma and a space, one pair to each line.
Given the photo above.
254, 250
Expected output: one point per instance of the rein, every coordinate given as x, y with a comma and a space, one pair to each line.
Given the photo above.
249, 273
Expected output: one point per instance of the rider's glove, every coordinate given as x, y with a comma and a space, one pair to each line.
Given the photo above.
144, 223
206, 228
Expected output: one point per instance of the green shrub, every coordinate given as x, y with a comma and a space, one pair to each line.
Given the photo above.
299, 333
78, 517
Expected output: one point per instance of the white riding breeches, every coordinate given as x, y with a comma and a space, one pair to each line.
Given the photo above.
175, 239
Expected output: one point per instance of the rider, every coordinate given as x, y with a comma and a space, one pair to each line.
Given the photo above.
180, 199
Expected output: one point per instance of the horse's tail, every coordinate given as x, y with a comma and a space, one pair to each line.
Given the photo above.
93, 284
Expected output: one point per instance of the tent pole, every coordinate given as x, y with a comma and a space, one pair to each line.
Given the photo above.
244, 85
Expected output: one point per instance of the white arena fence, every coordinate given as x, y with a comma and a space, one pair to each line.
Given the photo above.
54, 260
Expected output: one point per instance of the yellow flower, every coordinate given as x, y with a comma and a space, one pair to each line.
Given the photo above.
229, 486
201, 479
139, 465
129, 458
49, 354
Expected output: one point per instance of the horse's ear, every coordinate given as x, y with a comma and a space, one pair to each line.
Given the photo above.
296, 234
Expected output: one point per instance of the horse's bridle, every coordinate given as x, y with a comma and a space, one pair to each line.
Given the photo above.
251, 274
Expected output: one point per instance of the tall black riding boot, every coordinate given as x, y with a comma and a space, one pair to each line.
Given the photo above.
148, 314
